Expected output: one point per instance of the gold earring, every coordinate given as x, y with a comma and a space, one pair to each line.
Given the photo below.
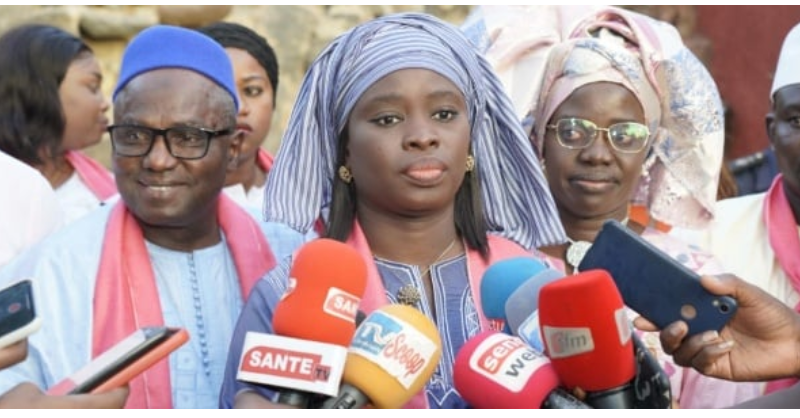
470, 163
345, 174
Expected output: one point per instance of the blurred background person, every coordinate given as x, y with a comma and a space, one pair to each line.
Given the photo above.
52, 106
29, 211
255, 68
757, 236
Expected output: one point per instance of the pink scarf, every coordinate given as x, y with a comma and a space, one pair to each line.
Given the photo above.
375, 293
783, 239
94, 175
126, 296
264, 160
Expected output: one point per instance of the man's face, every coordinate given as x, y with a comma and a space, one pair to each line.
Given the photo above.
783, 128
159, 189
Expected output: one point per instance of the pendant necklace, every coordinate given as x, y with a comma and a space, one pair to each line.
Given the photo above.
409, 294
578, 249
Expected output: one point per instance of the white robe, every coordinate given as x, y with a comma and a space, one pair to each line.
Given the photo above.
738, 238
29, 210
64, 270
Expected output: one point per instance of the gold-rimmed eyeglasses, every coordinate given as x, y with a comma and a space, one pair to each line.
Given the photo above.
577, 133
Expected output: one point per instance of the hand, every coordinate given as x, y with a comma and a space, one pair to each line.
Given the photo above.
761, 341
13, 354
27, 396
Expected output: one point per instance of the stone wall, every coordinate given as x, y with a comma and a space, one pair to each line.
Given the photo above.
297, 33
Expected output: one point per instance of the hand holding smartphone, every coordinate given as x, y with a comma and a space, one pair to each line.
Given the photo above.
124, 361
18, 317
654, 284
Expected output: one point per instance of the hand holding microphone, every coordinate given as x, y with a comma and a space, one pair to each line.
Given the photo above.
314, 323
494, 370
393, 354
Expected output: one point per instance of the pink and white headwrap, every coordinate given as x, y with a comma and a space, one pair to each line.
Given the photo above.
543, 54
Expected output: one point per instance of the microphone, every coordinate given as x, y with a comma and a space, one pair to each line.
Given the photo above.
360, 317
522, 308
393, 354
651, 384
587, 335
494, 370
313, 324
500, 280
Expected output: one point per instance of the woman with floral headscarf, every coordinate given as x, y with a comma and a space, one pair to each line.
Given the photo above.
403, 141
621, 114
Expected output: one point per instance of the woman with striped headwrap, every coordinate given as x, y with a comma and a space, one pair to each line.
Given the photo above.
404, 143
255, 68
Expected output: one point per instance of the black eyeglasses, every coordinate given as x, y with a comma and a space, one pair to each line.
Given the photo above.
625, 137
182, 142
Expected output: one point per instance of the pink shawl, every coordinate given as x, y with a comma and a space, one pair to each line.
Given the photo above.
783, 239
126, 297
264, 160
375, 294
93, 174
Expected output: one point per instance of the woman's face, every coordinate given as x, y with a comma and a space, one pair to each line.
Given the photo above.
409, 137
83, 103
255, 101
597, 181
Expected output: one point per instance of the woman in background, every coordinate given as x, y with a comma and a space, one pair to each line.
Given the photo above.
622, 114
255, 69
52, 106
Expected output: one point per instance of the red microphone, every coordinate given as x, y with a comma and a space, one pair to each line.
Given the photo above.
313, 323
587, 336
494, 370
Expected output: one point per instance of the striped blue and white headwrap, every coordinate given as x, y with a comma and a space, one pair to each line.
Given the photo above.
517, 201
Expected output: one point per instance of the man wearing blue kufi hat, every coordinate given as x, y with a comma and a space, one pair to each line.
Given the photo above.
172, 250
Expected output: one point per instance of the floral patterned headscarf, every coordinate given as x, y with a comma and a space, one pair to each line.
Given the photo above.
580, 46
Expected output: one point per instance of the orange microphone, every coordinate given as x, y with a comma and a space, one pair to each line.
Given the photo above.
326, 282
313, 323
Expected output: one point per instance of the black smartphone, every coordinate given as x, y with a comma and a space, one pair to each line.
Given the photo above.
122, 362
654, 284
18, 317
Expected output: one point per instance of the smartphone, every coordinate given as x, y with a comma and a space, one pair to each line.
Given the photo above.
17, 314
124, 361
654, 284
